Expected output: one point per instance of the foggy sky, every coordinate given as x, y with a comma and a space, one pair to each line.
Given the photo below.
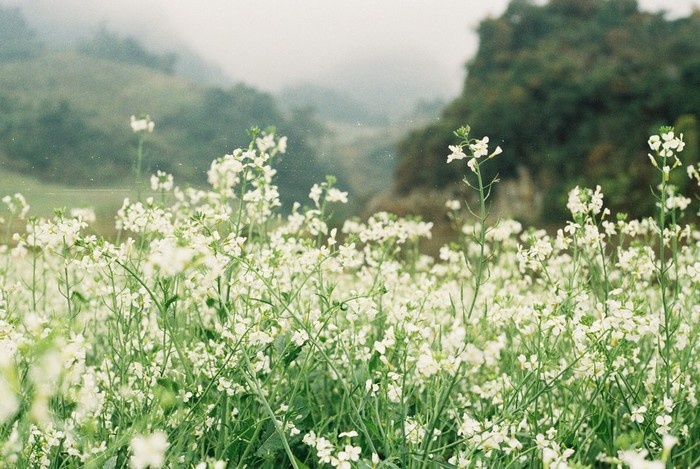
270, 44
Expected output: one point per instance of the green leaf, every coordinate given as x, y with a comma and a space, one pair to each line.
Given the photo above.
170, 301
272, 445
300, 464
111, 463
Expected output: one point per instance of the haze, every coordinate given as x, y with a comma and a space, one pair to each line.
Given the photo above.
277, 43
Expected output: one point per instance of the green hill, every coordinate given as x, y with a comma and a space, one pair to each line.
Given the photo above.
64, 119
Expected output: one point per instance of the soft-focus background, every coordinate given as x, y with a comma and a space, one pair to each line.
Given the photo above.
367, 90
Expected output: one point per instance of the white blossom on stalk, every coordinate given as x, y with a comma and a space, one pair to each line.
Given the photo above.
17, 205
315, 194
149, 450
336, 195
142, 124
457, 153
162, 181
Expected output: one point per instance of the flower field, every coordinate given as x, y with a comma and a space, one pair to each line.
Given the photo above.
215, 333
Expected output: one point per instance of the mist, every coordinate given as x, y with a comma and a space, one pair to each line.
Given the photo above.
358, 46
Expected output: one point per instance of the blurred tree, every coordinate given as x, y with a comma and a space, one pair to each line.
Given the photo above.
56, 142
571, 90
110, 46
221, 123
17, 39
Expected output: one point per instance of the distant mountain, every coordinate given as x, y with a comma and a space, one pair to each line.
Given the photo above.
389, 84
331, 104
53, 25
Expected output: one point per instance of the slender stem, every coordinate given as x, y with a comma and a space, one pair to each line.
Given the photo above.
139, 164
252, 381
663, 269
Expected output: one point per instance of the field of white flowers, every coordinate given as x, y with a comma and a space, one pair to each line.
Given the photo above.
213, 333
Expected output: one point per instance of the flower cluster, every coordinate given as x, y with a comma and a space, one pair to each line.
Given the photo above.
666, 147
142, 124
477, 148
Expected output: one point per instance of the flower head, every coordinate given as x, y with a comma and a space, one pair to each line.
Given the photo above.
149, 450
457, 153
142, 124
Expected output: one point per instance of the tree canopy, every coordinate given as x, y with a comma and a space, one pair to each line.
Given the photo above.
108, 45
17, 39
570, 90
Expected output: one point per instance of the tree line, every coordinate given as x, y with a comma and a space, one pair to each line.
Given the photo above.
570, 90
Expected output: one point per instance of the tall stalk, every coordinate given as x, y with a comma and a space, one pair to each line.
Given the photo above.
666, 147
140, 127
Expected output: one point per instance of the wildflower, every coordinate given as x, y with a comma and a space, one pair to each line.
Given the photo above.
453, 205
638, 414
663, 421
142, 124
654, 142
457, 153
17, 205
480, 147
469, 427
350, 453
668, 442
149, 450
693, 173
426, 364
637, 460
84, 214
315, 194
335, 195
161, 181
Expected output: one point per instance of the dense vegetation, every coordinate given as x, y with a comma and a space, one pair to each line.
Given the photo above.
217, 334
64, 114
569, 89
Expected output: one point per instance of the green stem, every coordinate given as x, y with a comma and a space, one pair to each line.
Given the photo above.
666, 352
255, 385
138, 167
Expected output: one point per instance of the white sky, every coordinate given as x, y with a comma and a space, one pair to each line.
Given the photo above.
273, 43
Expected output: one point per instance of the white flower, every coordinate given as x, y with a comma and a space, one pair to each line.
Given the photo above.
162, 181
335, 195
480, 147
142, 124
637, 460
149, 450
457, 153
668, 442
496, 152
453, 205
315, 193
654, 142
638, 414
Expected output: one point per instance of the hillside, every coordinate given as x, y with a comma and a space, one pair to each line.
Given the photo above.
64, 118
569, 89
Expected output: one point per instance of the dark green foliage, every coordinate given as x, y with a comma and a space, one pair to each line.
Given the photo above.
17, 39
108, 45
58, 143
220, 124
571, 90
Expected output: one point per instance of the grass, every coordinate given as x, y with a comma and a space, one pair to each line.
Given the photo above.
213, 333
45, 198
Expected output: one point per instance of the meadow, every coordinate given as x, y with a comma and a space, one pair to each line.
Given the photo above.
212, 332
